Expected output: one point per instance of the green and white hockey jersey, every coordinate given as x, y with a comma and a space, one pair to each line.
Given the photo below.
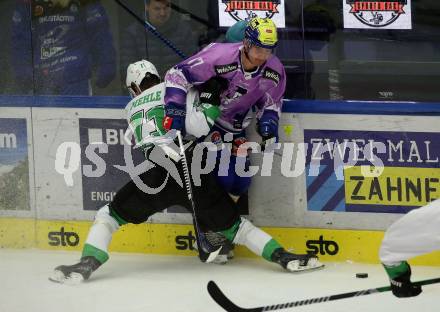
146, 112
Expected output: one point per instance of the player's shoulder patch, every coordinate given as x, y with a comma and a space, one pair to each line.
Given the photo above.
271, 74
226, 68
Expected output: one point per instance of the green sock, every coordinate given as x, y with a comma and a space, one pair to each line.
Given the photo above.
269, 248
92, 251
396, 270
118, 219
232, 231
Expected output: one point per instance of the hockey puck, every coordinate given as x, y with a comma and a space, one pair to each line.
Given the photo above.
361, 275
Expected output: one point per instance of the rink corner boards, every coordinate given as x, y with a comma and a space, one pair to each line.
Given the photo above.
177, 239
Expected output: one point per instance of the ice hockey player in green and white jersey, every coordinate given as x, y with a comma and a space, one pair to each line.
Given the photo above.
145, 113
216, 212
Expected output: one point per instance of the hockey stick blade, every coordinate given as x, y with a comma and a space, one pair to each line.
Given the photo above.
219, 297
223, 301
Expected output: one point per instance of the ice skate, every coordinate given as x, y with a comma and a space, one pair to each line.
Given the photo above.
77, 273
225, 254
294, 262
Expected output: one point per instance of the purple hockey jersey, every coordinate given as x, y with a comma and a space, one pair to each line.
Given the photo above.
262, 89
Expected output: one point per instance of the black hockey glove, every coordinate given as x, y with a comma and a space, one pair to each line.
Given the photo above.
401, 285
211, 90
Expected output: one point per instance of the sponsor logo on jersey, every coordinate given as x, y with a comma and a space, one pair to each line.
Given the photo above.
205, 95
56, 18
48, 52
243, 9
216, 138
224, 69
377, 13
63, 238
271, 75
236, 147
322, 246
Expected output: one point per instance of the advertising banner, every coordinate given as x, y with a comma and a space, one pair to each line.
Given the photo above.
14, 165
232, 11
102, 154
108, 161
380, 14
371, 171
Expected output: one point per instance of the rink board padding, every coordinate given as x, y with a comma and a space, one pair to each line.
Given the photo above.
68, 176
52, 169
178, 239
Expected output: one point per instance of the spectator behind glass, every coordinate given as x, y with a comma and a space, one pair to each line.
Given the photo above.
69, 40
139, 43
214, 32
6, 9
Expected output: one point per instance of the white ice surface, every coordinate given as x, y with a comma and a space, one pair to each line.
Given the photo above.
143, 283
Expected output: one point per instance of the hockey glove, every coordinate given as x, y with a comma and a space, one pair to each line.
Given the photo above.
268, 125
210, 101
174, 118
267, 128
211, 90
401, 285
211, 113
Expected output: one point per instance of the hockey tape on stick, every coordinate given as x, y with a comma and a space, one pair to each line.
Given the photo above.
152, 29
201, 241
219, 297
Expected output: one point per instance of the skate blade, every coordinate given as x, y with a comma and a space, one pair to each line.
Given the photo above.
59, 277
220, 259
294, 267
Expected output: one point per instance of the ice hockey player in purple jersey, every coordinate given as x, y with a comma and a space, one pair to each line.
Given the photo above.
256, 83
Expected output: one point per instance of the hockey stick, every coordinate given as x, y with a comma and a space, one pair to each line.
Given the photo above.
152, 29
203, 243
228, 305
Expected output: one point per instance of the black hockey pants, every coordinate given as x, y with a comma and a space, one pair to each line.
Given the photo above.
215, 210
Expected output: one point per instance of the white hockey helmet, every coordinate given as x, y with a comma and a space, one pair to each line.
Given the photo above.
136, 72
